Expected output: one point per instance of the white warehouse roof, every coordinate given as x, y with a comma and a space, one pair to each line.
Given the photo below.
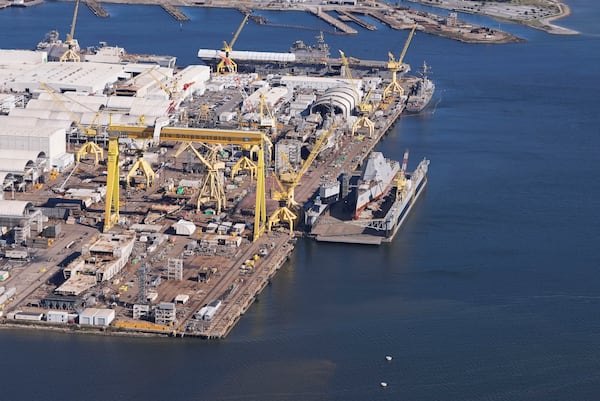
34, 118
77, 101
14, 207
18, 160
20, 57
303, 81
247, 55
48, 139
81, 77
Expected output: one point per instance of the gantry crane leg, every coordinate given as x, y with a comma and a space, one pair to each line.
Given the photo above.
111, 215
213, 188
195, 135
260, 208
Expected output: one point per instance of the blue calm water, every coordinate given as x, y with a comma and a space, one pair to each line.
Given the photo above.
490, 291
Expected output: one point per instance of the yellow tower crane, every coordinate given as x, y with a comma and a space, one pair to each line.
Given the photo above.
288, 181
89, 147
71, 53
364, 106
212, 188
226, 64
395, 66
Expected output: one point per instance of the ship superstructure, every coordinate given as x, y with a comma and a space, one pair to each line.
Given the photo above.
375, 181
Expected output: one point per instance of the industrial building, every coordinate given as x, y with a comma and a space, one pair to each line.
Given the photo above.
20, 216
97, 317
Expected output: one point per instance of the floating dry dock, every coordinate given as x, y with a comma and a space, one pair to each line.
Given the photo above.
379, 225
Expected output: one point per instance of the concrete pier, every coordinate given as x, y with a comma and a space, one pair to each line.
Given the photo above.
349, 17
174, 12
96, 8
336, 23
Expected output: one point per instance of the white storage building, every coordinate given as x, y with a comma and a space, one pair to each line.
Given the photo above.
57, 316
104, 317
61, 77
29, 316
45, 138
97, 317
184, 227
87, 316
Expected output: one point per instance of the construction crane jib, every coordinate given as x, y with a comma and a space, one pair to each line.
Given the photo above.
71, 53
182, 134
226, 64
289, 181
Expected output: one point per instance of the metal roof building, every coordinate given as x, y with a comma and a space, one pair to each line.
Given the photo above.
15, 208
43, 138
61, 77
20, 215
318, 83
34, 119
340, 100
207, 54
16, 161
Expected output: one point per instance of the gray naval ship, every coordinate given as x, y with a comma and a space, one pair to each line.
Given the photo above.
422, 92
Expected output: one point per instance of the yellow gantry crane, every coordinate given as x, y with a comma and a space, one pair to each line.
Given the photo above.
364, 106
71, 53
182, 134
226, 64
288, 181
212, 188
143, 166
395, 66
89, 147
244, 163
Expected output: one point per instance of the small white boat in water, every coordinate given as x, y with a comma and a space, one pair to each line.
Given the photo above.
383, 384
388, 358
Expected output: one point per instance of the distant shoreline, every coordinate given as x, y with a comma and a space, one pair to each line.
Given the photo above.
545, 24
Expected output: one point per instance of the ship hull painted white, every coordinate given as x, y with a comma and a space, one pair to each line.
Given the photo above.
401, 208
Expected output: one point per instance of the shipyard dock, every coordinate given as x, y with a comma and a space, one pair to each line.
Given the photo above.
171, 199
